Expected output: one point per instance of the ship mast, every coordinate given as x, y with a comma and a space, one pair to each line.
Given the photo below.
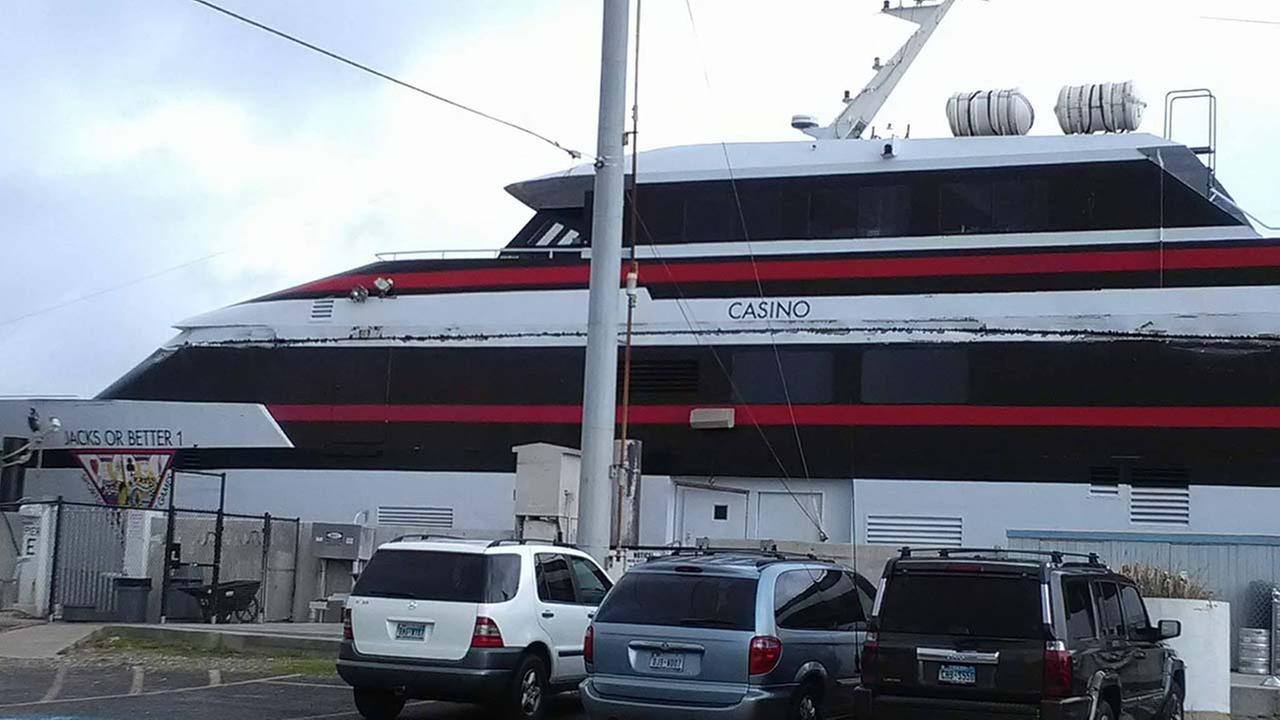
600, 381
860, 109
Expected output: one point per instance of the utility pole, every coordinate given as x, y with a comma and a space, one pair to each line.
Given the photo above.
600, 381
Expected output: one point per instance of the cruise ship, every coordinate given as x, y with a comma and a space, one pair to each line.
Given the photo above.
899, 340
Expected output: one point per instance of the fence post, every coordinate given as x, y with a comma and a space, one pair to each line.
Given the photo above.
53, 563
217, 545
167, 562
266, 567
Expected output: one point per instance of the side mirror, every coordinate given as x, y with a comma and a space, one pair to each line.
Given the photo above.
1169, 629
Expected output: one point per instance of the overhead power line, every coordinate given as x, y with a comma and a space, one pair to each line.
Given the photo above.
1254, 21
575, 154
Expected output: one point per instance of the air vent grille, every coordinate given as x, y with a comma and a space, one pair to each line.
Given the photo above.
663, 377
322, 309
433, 518
918, 530
1104, 482
1155, 505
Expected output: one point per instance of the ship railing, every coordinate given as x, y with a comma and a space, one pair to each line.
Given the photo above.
480, 253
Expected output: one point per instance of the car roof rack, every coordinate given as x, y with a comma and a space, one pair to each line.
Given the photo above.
1057, 557
423, 536
772, 553
529, 541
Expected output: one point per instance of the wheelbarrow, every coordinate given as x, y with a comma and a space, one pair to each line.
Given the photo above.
236, 599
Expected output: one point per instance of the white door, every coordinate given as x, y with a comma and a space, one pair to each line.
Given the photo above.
789, 516
714, 514
560, 615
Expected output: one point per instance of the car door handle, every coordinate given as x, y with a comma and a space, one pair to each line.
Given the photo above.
548, 614
591, 614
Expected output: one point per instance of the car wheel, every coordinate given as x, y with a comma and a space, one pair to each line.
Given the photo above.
1104, 711
1173, 705
378, 704
806, 704
529, 690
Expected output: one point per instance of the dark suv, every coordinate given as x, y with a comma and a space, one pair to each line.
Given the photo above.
962, 633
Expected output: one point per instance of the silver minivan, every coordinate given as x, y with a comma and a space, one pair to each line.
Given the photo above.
728, 634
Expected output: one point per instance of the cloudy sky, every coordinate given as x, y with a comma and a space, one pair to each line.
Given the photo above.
158, 160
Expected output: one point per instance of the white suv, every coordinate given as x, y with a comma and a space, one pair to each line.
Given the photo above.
499, 623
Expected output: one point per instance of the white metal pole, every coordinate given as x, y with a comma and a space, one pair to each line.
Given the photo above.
600, 381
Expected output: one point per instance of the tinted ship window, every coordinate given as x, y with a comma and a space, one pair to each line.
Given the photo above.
809, 376
915, 375
963, 604
689, 600
440, 576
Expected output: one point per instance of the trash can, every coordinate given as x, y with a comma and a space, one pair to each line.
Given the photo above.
131, 599
181, 606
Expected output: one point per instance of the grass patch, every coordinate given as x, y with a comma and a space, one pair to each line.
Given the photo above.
276, 662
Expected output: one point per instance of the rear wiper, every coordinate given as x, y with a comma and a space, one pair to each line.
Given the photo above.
394, 595
721, 622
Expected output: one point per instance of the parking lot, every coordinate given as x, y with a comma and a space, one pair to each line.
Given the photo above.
115, 692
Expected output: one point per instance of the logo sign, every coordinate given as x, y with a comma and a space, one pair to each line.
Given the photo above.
133, 480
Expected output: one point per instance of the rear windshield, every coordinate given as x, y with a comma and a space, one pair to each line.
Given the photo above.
997, 606
440, 576
690, 600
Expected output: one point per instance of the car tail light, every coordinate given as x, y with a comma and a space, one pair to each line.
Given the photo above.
871, 659
766, 650
589, 645
1057, 670
346, 625
486, 634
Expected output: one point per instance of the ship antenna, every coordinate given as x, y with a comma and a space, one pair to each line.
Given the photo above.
860, 109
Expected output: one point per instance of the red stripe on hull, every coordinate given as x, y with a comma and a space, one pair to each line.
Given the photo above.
809, 415
825, 269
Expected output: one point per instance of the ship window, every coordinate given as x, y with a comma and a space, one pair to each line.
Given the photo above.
710, 213
965, 207
554, 227
833, 212
884, 210
809, 376
915, 375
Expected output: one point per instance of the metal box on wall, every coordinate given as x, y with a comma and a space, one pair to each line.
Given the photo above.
335, 541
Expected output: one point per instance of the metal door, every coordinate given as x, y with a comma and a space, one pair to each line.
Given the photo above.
789, 516
710, 513
88, 557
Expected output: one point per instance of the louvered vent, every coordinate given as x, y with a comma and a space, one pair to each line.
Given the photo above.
1104, 482
435, 518
663, 377
917, 530
1159, 496
322, 309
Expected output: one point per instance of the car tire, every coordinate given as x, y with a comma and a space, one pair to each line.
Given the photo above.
1173, 705
529, 691
378, 703
806, 704
1104, 711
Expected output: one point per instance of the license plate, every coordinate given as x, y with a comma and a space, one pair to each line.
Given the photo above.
411, 631
958, 674
666, 662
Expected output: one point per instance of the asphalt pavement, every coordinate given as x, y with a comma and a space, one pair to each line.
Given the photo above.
68, 691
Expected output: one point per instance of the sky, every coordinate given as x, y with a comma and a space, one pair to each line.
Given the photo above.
159, 160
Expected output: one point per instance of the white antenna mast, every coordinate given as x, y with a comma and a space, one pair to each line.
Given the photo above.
860, 109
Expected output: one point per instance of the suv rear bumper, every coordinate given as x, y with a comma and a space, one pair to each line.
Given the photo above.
757, 704
869, 704
481, 674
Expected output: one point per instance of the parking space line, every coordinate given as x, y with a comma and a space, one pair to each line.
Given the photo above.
338, 686
349, 713
59, 678
215, 678
135, 687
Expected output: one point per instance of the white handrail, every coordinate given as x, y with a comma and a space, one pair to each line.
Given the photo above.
390, 255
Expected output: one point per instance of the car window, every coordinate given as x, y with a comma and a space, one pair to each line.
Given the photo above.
816, 600
591, 582
1107, 597
1135, 612
554, 582
866, 594
439, 576
962, 604
680, 599
1081, 624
